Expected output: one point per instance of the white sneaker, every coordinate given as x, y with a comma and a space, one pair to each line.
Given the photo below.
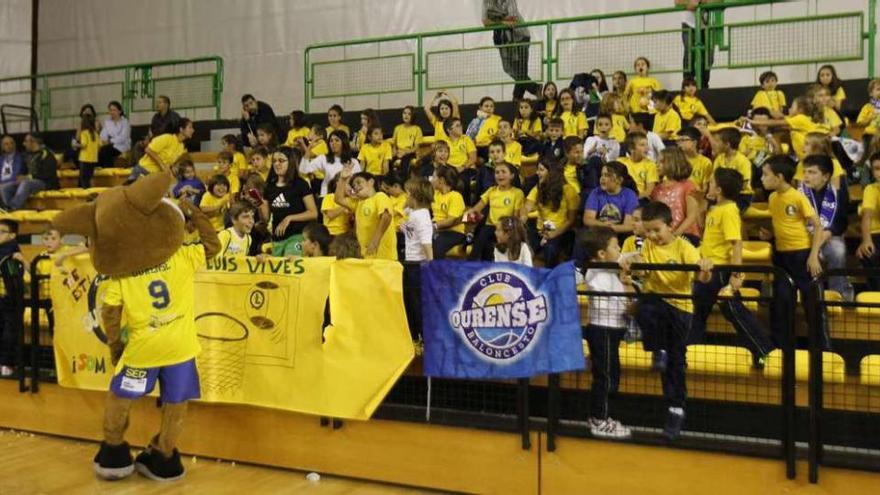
6, 371
608, 428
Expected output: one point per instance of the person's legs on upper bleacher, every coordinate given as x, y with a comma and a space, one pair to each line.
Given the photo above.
833, 253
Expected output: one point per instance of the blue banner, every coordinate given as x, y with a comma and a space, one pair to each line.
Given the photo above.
499, 320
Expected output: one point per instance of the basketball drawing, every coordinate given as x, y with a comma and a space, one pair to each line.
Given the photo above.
224, 346
265, 305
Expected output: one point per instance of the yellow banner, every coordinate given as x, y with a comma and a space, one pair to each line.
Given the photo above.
261, 328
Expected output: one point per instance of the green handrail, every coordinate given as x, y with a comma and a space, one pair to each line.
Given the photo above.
136, 79
702, 42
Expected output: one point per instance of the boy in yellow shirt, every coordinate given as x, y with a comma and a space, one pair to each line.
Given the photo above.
226, 168
666, 322
216, 201
642, 170
701, 167
667, 122
236, 240
260, 163
768, 96
728, 156
373, 213
722, 244
796, 252
487, 123
163, 151
869, 115
239, 162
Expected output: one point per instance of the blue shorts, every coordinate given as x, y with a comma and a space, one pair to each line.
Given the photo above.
177, 383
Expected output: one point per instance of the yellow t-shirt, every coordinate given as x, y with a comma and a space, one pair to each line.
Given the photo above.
688, 106
871, 200
569, 172
372, 157
338, 225
837, 172
701, 170
233, 245
832, 120
361, 138
342, 127
487, 131
723, 226
771, 100
573, 124
839, 95
739, 163
439, 131
158, 305
667, 122
513, 153
449, 205
399, 215
753, 144
459, 149
522, 129
681, 252
502, 203
407, 137
239, 163
639, 88
216, 218
234, 181
630, 244
89, 146
868, 118
169, 149
558, 216
367, 214
619, 126
642, 172
789, 212
319, 148
801, 125
294, 134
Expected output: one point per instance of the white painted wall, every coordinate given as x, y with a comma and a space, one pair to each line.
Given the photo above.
15, 37
262, 41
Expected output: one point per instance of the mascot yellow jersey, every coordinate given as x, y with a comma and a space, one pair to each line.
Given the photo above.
159, 306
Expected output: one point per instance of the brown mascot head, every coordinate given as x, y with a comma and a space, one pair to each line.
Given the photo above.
130, 228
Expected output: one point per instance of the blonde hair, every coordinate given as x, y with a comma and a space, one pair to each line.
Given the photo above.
516, 236
820, 143
345, 246
420, 191
609, 104
873, 84
675, 164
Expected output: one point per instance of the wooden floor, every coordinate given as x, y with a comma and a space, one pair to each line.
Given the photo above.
37, 464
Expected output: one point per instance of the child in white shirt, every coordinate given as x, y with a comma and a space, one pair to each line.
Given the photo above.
511, 245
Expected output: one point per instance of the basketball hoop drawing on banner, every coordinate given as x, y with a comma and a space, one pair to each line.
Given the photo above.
224, 347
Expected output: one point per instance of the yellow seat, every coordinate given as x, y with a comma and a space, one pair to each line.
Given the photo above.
634, 356
17, 216
96, 190
32, 216
719, 360
47, 215
757, 211
756, 252
868, 298
120, 172
55, 194
869, 370
726, 293
832, 296
833, 366
44, 319
68, 173
530, 159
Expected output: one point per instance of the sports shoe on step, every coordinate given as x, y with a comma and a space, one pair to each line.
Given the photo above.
674, 422
608, 428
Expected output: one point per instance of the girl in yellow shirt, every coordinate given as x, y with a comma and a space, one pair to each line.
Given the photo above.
375, 155
638, 89
89, 143
556, 203
574, 121
547, 107
527, 128
447, 108
406, 140
869, 116
804, 117
827, 77
336, 218
448, 210
613, 105
298, 128
488, 128
689, 104
369, 119
503, 200
334, 118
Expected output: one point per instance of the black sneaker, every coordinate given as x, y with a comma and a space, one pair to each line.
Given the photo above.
152, 464
674, 422
113, 462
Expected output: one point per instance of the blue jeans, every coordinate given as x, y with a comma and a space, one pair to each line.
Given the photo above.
833, 254
15, 195
136, 172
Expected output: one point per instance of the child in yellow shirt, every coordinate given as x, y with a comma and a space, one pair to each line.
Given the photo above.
376, 155
230, 144
574, 121
89, 144
373, 213
406, 140
666, 323
689, 104
484, 127
869, 115
613, 104
870, 225
503, 200
667, 122
298, 129
642, 170
728, 156
224, 167
527, 128
216, 201
260, 162
334, 119
336, 218
768, 96
638, 89
512, 149
701, 167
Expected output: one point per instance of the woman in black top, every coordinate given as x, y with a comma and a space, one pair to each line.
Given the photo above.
289, 202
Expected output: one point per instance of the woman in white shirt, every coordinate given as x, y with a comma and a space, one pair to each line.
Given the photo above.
331, 163
115, 135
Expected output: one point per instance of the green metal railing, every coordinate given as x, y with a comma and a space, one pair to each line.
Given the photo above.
765, 43
190, 84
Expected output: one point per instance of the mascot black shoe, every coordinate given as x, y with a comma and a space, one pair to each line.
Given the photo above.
152, 464
113, 462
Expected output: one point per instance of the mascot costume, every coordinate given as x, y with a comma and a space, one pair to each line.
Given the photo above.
135, 238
